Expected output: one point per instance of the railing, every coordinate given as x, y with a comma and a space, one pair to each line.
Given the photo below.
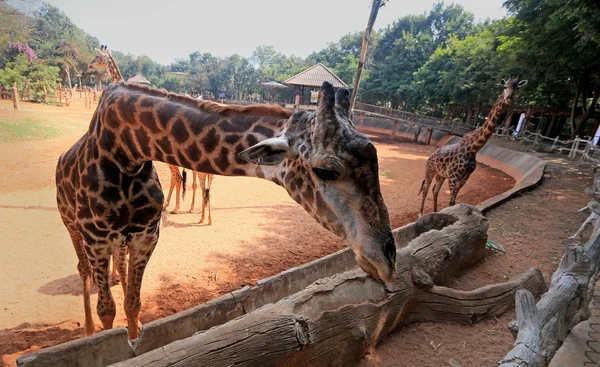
455, 127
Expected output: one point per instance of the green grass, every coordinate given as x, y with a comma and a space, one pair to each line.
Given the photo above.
26, 128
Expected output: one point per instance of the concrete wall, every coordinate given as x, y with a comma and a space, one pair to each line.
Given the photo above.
111, 346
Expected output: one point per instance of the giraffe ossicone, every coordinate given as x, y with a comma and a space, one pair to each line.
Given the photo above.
456, 162
110, 198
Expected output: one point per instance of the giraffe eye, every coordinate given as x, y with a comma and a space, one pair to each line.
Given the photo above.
326, 174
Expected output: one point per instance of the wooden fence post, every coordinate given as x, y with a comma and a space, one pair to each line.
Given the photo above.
361, 122
554, 144
15, 97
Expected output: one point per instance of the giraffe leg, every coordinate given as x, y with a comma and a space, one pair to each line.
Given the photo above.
202, 179
209, 179
85, 273
120, 263
455, 186
425, 186
194, 186
141, 248
439, 181
170, 192
106, 304
177, 195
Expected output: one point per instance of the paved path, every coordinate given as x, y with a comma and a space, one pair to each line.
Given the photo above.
582, 346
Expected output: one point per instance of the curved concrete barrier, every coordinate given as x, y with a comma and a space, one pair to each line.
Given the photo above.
524, 168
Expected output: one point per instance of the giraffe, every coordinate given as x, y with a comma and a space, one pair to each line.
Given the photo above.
109, 195
205, 180
106, 60
456, 162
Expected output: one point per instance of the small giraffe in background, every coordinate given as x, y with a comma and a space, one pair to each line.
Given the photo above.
456, 162
178, 182
109, 195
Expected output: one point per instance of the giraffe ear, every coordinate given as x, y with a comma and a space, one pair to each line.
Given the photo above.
268, 152
503, 82
522, 83
342, 102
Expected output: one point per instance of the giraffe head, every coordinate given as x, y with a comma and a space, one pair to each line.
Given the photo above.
101, 59
332, 171
510, 87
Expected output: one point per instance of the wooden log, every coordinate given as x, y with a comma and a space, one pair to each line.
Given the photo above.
542, 328
337, 320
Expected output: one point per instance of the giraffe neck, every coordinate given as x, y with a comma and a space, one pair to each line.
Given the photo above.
136, 124
113, 69
476, 139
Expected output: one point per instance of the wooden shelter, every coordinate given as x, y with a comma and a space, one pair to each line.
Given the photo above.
138, 79
313, 78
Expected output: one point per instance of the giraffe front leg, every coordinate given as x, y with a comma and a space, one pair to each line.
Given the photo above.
141, 248
85, 272
202, 179
106, 305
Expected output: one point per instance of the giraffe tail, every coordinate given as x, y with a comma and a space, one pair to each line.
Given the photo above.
421, 189
183, 180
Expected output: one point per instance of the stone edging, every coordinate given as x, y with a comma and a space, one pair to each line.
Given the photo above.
112, 346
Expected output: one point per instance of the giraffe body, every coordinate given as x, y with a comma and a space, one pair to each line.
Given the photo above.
456, 162
110, 198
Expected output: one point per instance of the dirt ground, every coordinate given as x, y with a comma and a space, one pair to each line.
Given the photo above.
257, 231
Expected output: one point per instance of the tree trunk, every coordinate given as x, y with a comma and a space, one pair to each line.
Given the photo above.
550, 128
363, 52
586, 111
469, 116
575, 101
45, 95
15, 97
68, 73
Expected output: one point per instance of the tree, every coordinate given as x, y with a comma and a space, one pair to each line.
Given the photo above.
571, 58
365, 43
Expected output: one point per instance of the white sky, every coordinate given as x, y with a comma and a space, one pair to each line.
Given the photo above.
173, 29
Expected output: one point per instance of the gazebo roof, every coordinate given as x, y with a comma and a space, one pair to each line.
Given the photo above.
273, 85
315, 76
138, 79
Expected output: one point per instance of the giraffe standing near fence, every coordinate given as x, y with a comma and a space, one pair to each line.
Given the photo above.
109, 195
456, 162
105, 59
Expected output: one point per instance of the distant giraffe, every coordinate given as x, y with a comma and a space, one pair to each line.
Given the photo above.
456, 162
106, 60
109, 195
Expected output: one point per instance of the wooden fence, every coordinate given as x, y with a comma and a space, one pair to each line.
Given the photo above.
89, 96
454, 127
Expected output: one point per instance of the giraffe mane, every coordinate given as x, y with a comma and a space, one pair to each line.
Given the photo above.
256, 110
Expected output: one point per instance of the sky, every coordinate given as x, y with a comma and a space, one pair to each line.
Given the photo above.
173, 29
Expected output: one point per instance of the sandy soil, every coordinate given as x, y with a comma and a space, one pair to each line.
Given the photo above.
257, 232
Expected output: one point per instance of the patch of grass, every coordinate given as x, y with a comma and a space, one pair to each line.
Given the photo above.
26, 128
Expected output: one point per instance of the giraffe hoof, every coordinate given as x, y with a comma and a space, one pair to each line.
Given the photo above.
173, 212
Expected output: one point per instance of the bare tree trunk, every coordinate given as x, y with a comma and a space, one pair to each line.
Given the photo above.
573, 130
551, 126
15, 97
586, 111
363, 52
469, 116
69, 79
45, 95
